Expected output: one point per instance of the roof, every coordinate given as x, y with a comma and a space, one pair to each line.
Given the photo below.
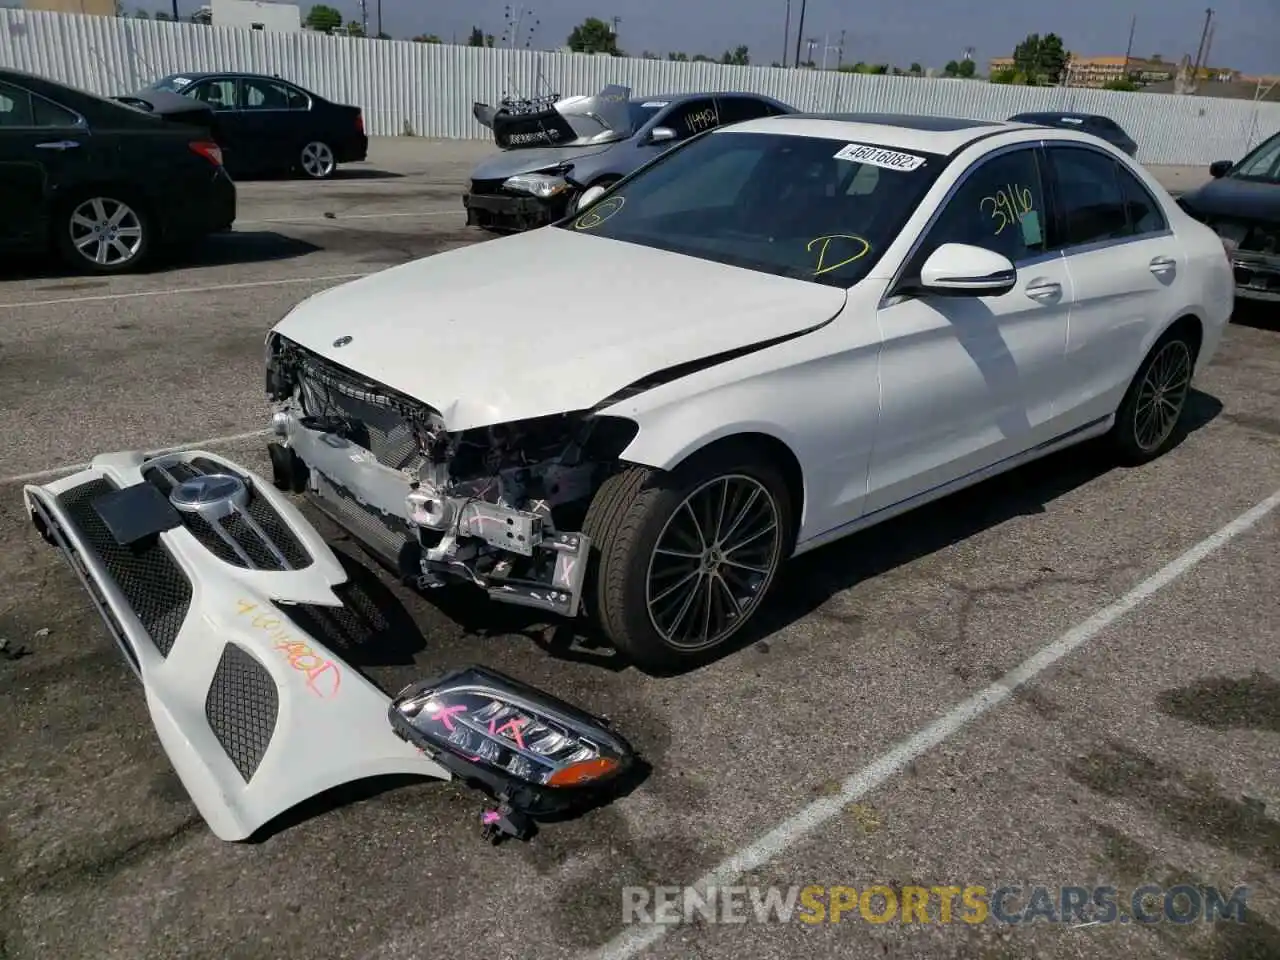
676, 97
1060, 114
929, 134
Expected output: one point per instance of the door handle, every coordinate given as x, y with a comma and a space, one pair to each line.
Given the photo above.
1163, 264
58, 145
1044, 290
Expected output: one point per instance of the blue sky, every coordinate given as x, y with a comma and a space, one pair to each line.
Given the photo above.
932, 32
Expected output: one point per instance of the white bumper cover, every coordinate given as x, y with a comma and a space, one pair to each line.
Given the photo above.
255, 714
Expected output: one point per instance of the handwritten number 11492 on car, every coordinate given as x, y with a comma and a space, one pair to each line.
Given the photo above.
776, 334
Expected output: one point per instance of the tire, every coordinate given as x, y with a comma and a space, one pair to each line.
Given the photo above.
316, 160
1149, 415
638, 515
104, 232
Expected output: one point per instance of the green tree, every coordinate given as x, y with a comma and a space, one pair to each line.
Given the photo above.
952, 69
1121, 83
593, 35
142, 15
738, 57
965, 69
323, 18
1042, 59
477, 38
426, 38
353, 29
678, 57
915, 69
701, 58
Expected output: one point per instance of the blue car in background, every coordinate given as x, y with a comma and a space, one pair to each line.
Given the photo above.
559, 153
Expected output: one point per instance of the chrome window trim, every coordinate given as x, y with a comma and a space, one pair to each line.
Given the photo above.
80, 124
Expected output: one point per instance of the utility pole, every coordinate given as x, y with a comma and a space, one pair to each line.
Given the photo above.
175, 11
799, 32
1195, 70
786, 33
1128, 51
840, 52
379, 17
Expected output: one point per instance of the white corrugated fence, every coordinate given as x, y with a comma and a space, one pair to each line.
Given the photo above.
428, 89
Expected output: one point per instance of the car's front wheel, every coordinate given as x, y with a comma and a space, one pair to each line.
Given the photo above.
104, 233
1148, 417
681, 561
316, 160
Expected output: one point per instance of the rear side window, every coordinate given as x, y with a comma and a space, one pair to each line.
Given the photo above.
46, 113
692, 117
738, 109
15, 107
1145, 215
1090, 200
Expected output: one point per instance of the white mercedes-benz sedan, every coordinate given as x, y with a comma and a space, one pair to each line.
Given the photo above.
778, 333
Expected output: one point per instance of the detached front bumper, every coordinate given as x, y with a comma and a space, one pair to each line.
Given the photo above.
205, 577
1257, 276
510, 212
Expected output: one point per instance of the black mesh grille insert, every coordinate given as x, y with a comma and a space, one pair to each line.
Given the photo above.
259, 553
152, 583
241, 707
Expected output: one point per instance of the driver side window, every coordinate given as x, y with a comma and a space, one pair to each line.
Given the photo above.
219, 94
692, 117
999, 207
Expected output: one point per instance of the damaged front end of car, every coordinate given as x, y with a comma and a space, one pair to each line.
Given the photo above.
499, 507
230, 608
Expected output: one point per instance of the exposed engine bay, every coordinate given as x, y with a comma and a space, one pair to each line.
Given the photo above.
498, 506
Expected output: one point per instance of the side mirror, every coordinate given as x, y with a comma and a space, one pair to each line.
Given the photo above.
1219, 168
661, 134
960, 270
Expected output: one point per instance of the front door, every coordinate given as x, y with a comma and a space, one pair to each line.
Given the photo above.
966, 382
1126, 267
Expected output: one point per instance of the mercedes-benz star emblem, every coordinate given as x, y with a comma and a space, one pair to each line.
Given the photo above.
210, 490
342, 341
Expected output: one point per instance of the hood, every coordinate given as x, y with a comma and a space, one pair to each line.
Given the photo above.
545, 322
1237, 199
554, 120
510, 162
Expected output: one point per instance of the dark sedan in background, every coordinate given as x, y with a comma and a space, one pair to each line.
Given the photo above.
1242, 203
1103, 127
101, 182
269, 125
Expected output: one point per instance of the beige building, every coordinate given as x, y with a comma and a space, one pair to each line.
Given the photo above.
101, 8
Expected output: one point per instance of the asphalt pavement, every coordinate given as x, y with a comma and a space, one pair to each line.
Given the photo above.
1144, 746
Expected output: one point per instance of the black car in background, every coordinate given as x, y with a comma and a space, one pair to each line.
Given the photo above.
1103, 127
101, 182
268, 125
1242, 203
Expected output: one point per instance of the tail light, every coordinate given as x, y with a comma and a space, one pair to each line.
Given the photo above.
535, 754
209, 150
360, 121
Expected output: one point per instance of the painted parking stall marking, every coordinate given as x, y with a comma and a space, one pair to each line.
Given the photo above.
879, 157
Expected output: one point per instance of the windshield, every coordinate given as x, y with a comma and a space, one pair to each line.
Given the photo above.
1262, 165
172, 84
804, 207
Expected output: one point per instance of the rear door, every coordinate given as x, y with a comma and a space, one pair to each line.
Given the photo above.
234, 135
1126, 267
42, 145
274, 118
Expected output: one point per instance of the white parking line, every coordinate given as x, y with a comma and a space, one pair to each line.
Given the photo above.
52, 472
339, 217
174, 291
786, 835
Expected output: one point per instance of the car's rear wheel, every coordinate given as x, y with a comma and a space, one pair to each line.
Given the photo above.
1147, 421
316, 160
104, 233
681, 561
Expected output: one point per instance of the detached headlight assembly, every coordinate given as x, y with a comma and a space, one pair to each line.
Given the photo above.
533, 753
544, 186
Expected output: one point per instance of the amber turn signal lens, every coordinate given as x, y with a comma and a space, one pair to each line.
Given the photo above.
583, 772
